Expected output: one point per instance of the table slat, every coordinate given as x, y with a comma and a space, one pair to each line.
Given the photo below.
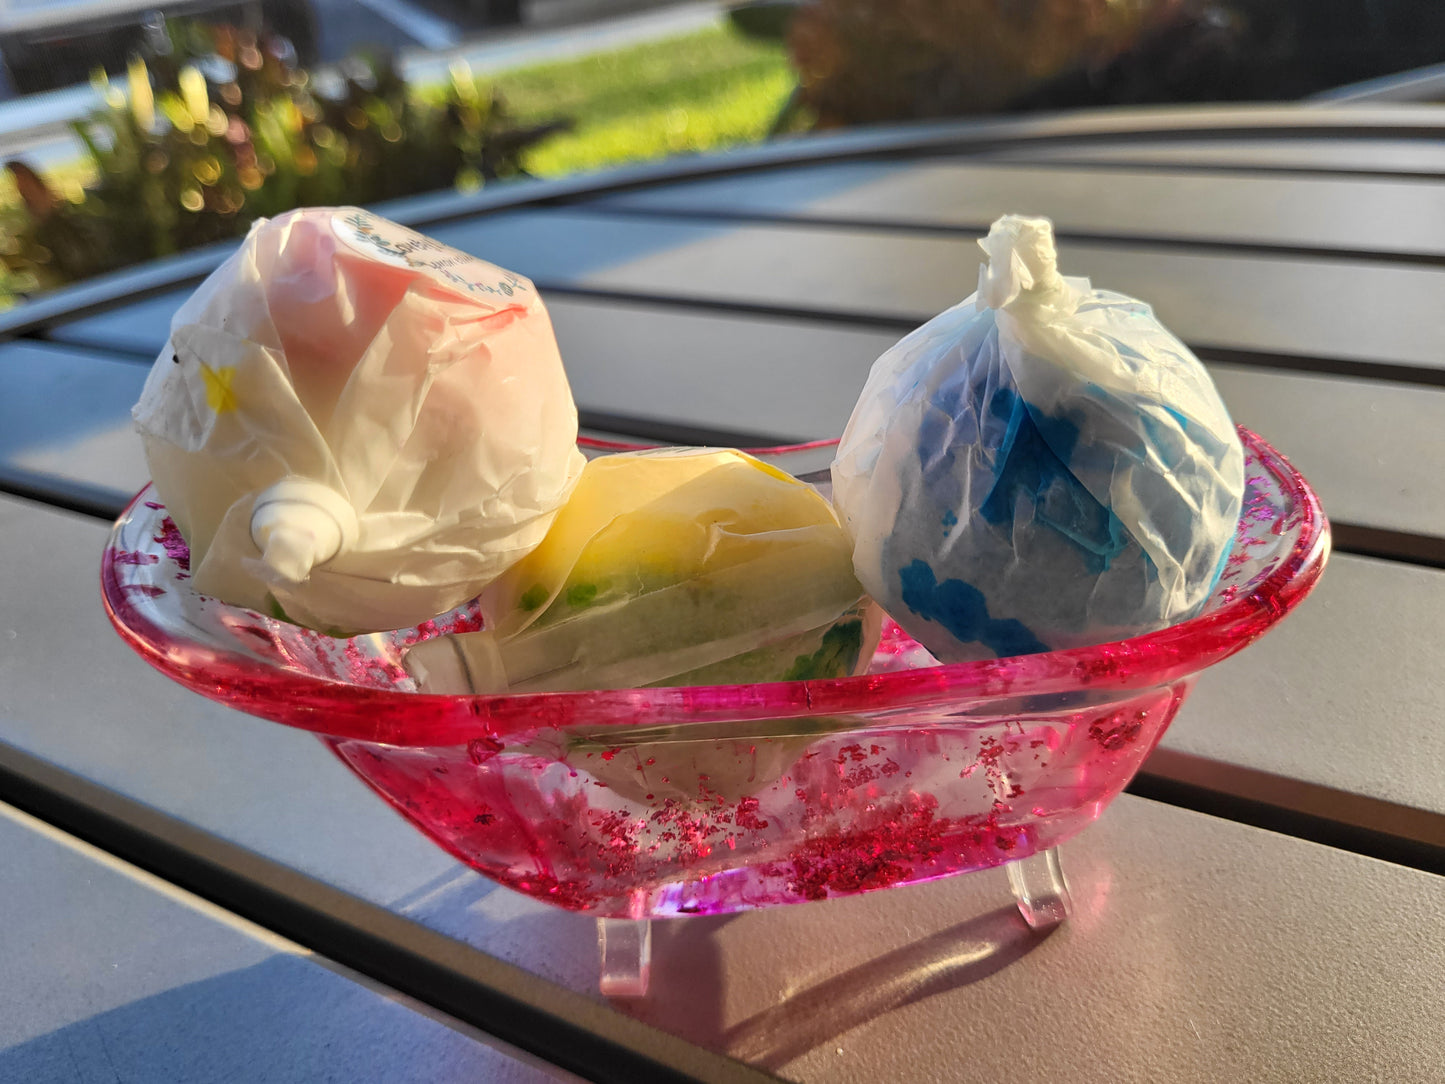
1371, 448
1346, 693
139, 328
113, 974
1302, 311
1258, 304
67, 413
1338, 154
1199, 951
1373, 451
1401, 217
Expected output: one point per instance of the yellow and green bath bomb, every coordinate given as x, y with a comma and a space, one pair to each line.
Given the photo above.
679, 566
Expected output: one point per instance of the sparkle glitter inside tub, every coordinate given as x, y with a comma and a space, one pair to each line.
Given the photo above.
695, 800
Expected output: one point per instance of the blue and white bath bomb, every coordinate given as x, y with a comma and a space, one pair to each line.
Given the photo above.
1042, 466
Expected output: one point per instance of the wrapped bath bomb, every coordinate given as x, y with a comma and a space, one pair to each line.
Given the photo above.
356, 427
1043, 466
671, 567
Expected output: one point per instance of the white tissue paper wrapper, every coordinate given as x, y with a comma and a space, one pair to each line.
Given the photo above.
356, 426
1042, 466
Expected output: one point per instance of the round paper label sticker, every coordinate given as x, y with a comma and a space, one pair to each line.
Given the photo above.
378, 239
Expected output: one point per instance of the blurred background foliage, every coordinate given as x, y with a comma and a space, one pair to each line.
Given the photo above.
883, 61
218, 126
867, 61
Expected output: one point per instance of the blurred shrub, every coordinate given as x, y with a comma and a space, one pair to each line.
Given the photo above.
219, 127
870, 61
1253, 50
874, 61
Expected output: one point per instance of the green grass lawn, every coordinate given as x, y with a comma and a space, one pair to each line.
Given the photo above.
693, 93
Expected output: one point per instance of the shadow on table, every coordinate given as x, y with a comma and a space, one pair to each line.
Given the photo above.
691, 979
545, 940
966, 953
284, 1019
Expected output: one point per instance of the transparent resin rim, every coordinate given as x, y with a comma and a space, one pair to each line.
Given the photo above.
410, 719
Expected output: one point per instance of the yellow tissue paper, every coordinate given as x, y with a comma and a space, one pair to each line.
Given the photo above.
670, 567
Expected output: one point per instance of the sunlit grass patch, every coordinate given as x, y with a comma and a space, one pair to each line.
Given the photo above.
698, 92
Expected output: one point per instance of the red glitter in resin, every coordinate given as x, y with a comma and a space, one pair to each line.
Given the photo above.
481, 750
1117, 730
746, 815
171, 541
133, 558
710, 800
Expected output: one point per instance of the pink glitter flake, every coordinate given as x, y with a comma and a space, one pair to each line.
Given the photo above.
174, 545
481, 750
134, 557
149, 590
747, 817
1117, 730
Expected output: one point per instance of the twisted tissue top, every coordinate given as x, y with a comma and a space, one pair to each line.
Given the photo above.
1021, 261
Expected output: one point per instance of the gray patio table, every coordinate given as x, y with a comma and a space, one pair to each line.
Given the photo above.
1267, 903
